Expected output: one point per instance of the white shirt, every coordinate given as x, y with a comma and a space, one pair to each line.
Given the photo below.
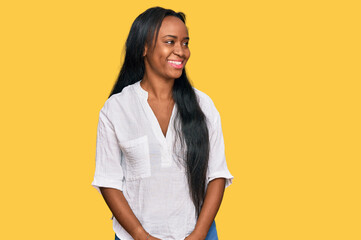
134, 156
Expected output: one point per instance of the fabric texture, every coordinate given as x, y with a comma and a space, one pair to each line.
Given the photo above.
212, 233
134, 156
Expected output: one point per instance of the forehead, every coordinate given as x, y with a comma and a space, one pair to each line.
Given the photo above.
173, 26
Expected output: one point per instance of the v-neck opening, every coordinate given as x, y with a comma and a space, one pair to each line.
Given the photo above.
153, 118
169, 122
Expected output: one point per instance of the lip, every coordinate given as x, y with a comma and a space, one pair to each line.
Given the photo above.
178, 64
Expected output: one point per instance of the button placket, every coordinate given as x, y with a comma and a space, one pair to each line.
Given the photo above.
166, 155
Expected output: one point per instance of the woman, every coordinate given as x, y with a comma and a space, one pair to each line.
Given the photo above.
160, 163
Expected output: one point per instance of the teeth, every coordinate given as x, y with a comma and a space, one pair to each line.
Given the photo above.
176, 63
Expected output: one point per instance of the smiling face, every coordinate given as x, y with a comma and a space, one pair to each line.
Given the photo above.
167, 59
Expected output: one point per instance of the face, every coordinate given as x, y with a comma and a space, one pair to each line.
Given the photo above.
169, 56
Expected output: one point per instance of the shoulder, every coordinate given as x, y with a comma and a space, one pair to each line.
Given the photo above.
207, 105
119, 100
205, 101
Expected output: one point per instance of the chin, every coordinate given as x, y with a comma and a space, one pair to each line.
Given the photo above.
177, 75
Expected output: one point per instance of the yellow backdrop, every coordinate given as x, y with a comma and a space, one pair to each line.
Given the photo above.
284, 75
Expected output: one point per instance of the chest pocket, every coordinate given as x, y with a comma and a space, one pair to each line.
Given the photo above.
136, 153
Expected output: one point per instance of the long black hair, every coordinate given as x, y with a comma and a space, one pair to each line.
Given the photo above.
191, 127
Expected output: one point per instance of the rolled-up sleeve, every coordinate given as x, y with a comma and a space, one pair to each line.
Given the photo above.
217, 166
108, 169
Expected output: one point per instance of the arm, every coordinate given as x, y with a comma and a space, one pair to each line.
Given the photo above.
124, 214
109, 177
211, 204
218, 176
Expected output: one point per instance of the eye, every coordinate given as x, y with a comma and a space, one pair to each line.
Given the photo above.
186, 44
169, 42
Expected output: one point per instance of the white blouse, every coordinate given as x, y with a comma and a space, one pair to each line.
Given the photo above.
134, 156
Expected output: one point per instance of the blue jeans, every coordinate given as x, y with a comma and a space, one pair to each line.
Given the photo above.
212, 233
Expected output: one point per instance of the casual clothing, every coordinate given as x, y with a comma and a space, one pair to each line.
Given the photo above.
212, 233
134, 156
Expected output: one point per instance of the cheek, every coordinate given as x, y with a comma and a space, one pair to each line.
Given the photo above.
188, 54
165, 52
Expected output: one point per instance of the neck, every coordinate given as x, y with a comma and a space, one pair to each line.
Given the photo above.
158, 88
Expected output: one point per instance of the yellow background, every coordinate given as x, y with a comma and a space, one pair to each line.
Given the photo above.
284, 75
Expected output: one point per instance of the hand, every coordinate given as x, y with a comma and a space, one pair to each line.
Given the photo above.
144, 235
193, 236
153, 238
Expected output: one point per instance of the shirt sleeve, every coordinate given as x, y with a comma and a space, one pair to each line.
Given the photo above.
217, 166
108, 169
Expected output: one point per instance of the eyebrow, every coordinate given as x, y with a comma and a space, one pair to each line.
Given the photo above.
172, 36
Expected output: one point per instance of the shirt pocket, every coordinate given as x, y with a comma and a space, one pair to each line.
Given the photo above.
136, 153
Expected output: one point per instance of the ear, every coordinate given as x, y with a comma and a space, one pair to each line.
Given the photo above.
145, 50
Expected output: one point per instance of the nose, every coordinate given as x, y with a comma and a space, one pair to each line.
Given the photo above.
178, 50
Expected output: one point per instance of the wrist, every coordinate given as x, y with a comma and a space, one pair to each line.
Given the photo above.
139, 234
199, 234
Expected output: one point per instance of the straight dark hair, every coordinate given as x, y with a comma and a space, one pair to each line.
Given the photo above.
193, 128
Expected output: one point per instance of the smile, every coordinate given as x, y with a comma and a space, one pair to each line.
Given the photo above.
176, 64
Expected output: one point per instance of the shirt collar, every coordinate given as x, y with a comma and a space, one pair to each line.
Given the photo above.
140, 90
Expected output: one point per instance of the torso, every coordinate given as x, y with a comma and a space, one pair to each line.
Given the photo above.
163, 112
145, 164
